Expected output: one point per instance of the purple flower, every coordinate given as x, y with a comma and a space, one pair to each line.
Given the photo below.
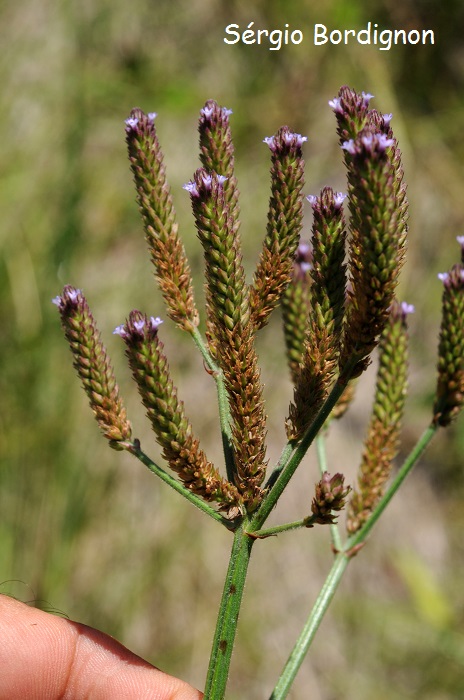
304, 249
192, 188
383, 142
204, 179
460, 240
289, 138
349, 146
443, 277
207, 112
371, 142
155, 323
407, 309
387, 118
312, 199
270, 141
207, 180
70, 295
367, 97
339, 198
336, 105
139, 325
131, 123
120, 330
152, 116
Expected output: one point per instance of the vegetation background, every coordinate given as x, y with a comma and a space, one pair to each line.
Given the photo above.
88, 532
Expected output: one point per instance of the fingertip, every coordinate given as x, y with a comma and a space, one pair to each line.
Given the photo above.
42, 655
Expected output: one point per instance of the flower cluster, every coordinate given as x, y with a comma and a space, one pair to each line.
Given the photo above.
330, 496
338, 298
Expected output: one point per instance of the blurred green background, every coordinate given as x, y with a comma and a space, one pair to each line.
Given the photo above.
88, 532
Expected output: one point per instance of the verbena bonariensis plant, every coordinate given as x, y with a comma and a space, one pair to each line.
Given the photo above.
338, 298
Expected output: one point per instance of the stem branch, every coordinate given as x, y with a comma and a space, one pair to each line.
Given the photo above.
134, 449
303, 643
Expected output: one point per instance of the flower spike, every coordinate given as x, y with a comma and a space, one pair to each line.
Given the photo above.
381, 445
296, 304
232, 331
450, 385
173, 431
93, 365
322, 345
156, 206
285, 216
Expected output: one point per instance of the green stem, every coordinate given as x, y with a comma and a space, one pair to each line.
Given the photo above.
226, 626
301, 647
286, 452
134, 449
361, 535
223, 403
270, 531
341, 562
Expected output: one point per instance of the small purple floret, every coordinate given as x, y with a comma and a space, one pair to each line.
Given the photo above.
155, 323
312, 199
339, 198
192, 188
303, 249
336, 105
367, 97
349, 146
291, 138
371, 142
270, 141
120, 330
132, 122
152, 116
460, 240
288, 137
207, 112
207, 180
384, 142
407, 308
443, 277
139, 325
69, 295
387, 118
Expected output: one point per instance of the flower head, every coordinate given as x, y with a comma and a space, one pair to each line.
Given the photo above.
330, 496
285, 140
70, 297
93, 365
